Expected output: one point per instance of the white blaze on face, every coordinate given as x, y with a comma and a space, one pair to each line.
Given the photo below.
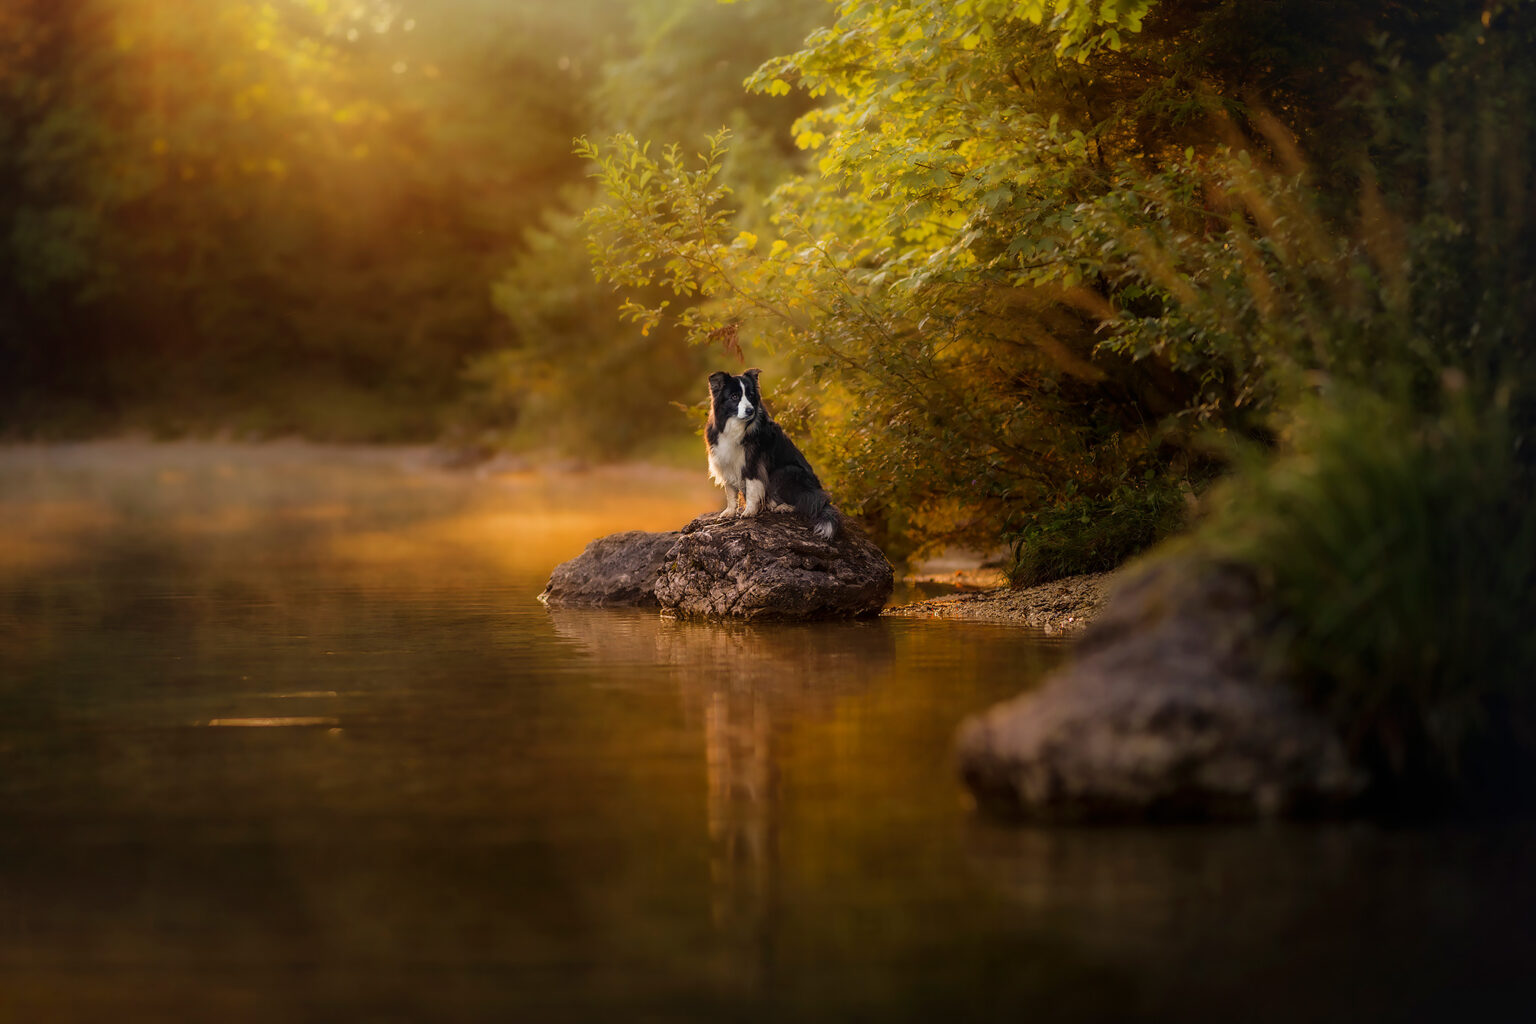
744, 407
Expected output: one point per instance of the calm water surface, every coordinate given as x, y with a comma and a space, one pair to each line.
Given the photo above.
285, 736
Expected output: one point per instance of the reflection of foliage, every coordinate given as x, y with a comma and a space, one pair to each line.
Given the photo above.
1032, 259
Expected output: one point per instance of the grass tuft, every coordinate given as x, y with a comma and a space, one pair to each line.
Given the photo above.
1401, 551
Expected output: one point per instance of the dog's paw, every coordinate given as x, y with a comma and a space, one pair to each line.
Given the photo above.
728, 513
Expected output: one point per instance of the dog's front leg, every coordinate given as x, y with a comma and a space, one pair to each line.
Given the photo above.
755, 490
730, 502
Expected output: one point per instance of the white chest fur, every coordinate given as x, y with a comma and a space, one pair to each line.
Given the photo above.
727, 459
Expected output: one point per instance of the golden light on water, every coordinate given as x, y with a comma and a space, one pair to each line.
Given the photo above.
37, 535
267, 723
283, 704
376, 528
379, 521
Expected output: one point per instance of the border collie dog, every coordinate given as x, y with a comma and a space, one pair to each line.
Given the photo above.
751, 456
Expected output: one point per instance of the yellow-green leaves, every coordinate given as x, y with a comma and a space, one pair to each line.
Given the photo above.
1032, 11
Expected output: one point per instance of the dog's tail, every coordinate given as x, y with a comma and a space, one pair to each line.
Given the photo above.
815, 506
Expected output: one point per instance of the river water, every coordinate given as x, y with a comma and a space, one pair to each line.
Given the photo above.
285, 736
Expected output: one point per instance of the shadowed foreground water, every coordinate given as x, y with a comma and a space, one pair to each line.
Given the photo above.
284, 736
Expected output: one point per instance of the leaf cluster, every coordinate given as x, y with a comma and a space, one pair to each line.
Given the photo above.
674, 70
1034, 257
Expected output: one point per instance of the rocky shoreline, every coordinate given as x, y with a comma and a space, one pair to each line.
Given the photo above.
1060, 607
1169, 708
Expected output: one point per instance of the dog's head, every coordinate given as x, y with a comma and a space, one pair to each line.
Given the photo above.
735, 397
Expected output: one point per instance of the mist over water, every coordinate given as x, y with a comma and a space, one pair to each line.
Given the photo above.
285, 735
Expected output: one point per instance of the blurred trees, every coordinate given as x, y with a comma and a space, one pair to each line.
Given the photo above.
573, 377
279, 215
347, 219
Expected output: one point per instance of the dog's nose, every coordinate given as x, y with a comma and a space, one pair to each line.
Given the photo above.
744, 409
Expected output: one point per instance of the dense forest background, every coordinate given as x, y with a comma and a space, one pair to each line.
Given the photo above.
1028, 272
344, 219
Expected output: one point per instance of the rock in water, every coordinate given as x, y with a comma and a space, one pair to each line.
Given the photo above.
772, 566
1169, 710
615, 571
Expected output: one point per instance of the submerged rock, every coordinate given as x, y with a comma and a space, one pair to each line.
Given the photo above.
1168, 710
772, 566
616, 571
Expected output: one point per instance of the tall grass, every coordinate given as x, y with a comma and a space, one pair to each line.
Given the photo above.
1384, 342
1400, 551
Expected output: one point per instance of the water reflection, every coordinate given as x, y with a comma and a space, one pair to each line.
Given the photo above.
427, 797
745, 686
270, 723
796, 666
1255, 923
744, 823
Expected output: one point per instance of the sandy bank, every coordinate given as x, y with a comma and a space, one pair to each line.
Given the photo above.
1062, 606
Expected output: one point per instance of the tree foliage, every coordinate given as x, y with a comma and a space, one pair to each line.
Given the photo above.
291, 209
1037, 251
1401, 550
677, 69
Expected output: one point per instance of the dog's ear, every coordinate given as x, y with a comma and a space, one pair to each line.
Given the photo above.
752, 373
717, 381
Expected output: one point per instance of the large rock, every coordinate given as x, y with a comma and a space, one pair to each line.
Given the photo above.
1169, 709
772, 566
614, 571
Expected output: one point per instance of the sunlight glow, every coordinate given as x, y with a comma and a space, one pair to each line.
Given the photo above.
264, 723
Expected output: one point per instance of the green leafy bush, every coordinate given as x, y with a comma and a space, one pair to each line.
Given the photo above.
1401, 552
1031, 254
1081, 534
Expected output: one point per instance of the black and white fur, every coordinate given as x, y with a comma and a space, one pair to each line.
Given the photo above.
751, 456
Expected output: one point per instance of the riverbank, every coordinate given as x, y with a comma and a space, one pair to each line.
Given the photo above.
1060, 607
